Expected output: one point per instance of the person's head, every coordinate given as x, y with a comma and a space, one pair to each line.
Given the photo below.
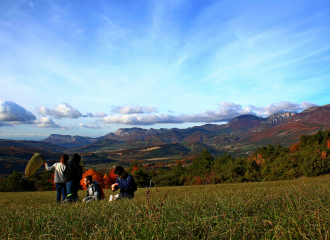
88, 179
120, 172
64, 159
76, 158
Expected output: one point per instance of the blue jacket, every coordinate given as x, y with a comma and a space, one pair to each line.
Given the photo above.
127, 186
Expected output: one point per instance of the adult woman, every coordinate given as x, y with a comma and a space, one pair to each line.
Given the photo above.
59, 178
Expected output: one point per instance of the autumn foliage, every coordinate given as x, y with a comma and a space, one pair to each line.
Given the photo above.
294, 148
135, 168
109, 179
104, 180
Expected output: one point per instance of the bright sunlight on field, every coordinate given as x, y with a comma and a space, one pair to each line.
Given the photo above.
298, 209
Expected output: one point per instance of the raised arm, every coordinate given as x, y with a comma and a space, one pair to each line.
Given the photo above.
49, 168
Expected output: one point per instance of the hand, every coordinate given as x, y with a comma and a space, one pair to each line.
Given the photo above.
113, 186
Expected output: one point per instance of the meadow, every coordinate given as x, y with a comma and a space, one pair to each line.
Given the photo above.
297, 209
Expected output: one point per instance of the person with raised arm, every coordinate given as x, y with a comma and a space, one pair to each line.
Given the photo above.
59, 178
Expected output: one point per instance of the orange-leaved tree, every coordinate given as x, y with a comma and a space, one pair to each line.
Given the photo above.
135, 168
96, 177
109, 179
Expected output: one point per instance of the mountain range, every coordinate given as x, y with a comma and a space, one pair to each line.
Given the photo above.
236, 136
239, 137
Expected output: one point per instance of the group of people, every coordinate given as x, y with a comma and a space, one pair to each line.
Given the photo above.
68, 175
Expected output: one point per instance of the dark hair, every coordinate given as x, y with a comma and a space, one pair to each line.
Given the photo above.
89, 178
64, 159
119, 170
76, 158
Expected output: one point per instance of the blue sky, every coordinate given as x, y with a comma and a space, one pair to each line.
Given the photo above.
90, 67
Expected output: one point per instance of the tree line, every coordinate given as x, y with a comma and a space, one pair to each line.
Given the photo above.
309, 157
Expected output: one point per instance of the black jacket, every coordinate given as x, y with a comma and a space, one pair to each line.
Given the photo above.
73, 171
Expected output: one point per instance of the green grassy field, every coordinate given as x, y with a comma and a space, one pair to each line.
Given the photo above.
298, 209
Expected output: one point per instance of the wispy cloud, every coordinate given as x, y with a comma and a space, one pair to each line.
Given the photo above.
179, 55
61, 111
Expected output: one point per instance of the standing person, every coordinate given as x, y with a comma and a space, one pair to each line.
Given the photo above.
73, 175
126, 184
59, 178
94, 191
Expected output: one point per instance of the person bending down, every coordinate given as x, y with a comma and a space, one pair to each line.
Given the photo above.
94, 191
125, 182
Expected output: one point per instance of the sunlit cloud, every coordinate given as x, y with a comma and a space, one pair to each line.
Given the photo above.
133, 109
226, 112
46, 122
61, 111
12, 112
281, 107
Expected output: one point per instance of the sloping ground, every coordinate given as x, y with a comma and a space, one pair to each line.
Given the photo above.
159, 151
101, 145
305, 123
45, 146
25, 153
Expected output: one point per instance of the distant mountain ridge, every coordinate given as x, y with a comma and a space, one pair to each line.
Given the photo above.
239, 137
69, 141
241, 131
236, 126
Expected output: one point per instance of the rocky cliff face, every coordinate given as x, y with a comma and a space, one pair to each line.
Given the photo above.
134, 133
69, 141
278, 118
317, 115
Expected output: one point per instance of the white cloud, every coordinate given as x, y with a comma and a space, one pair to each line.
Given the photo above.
46, 122
135, 119
133, 109
12, 112
226, 112
100, 114
281, 107
61, 111
93, 126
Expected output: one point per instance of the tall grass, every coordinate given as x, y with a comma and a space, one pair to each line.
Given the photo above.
298, 209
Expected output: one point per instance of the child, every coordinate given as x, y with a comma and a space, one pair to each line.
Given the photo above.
94, 191
125, 182
59, 178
